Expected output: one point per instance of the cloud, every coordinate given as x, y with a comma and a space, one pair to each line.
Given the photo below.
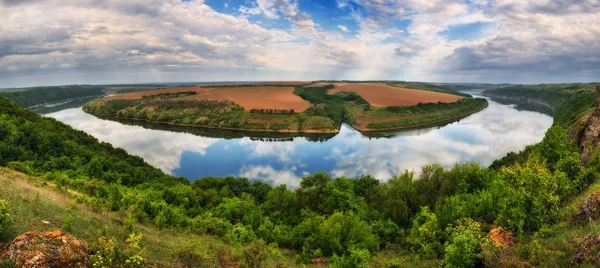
91, 41
343, 28
146, 143
268, 174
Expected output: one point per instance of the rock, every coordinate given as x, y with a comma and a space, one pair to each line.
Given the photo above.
49, 249
590, 136
501, 237
589, 209
588, 250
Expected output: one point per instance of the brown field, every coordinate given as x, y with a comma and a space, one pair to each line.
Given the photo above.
259, 97
381, 95
270, 83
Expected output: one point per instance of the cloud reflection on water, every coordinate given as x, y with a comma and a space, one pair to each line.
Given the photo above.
482, 137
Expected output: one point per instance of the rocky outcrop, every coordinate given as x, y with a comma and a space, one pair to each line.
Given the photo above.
48, 249
590, 135
588, 250
501, 237
521, 99
589, 209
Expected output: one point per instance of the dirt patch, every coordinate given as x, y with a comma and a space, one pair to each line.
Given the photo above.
259, 97
381, 95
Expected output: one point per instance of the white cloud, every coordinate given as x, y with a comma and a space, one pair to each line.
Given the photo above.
146, 143
89, 41
268, 174
343, 28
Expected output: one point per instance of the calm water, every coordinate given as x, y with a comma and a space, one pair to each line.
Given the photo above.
482, 137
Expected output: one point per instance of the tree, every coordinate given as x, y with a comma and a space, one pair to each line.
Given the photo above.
425, 235
313, 191
463, 249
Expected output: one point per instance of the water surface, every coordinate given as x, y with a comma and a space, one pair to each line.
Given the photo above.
482, 137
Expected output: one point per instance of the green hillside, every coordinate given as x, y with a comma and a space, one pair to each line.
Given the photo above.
528, 202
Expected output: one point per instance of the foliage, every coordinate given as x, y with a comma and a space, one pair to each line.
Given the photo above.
357, 258
110, 255
351, 219
41, 95
464, 247
5, 216
425, 236
570, 101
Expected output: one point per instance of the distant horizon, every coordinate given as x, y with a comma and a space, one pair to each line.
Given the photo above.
51, 42
262, 81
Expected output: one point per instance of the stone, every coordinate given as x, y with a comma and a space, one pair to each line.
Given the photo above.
48, 249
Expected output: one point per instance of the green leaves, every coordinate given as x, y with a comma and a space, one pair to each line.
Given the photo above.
5, 217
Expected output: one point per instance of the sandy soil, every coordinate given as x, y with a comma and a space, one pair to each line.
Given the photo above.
265, 97
379, 94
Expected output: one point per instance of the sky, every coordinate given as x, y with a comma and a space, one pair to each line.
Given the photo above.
57, 42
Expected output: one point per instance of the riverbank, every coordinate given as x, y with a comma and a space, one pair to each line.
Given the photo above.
301, 131
325, 115
321, 131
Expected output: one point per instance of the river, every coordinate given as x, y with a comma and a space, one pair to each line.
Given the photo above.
481, 137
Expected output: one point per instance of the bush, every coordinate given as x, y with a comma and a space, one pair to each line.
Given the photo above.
207, 224
425, 235
109, 254
341, 232
464, 247
5, 217
356, 258
255, 254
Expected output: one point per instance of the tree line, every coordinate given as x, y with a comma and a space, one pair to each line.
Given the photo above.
272, 111
41, 95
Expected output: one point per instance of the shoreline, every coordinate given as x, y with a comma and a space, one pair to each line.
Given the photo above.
309, 131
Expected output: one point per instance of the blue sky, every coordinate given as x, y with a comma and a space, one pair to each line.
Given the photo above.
53, 42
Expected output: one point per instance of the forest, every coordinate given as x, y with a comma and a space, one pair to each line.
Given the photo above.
42, 95
440, 214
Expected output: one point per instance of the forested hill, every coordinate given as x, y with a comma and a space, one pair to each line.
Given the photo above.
511, 214
42, 95
570, 101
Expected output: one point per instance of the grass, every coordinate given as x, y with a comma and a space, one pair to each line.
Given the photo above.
41, 206
407, 116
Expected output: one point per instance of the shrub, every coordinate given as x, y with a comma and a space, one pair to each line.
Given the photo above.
464, 246
425, 235
240, 234
135, 251
5, 217
255, 254
357, 258
207, 224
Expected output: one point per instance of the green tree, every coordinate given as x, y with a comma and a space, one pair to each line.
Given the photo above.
463, 249
425, 235
527, 196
